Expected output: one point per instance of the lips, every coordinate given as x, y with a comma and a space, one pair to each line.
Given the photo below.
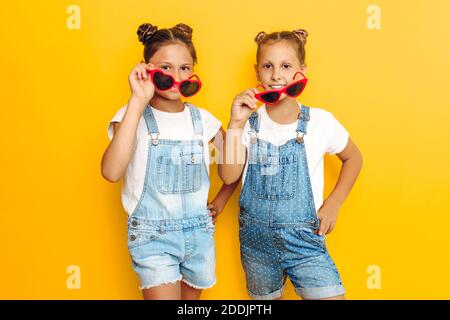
277, 86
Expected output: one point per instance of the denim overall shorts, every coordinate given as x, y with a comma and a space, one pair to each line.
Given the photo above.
170, 233
277, 221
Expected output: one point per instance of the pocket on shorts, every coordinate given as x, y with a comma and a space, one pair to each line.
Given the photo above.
179, 174
309, 236
244, 230
137, 237
210, 228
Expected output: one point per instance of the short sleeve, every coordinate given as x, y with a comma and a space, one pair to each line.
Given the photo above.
337, 135
245, 136
211, 125
117, 118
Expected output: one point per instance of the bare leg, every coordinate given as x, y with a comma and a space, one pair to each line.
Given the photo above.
170, 291
189, 293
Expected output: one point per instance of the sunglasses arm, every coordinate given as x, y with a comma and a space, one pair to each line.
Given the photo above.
196, 77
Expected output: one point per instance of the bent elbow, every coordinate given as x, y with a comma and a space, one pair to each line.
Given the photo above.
361, 161
229, 180
110, 176
226, 179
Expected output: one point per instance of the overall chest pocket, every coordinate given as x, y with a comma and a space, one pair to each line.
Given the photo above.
179, 173
274, 177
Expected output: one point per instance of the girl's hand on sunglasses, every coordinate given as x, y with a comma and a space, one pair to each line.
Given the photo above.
244, 104
141, 85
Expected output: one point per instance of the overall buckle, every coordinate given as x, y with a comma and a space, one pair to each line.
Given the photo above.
154, 138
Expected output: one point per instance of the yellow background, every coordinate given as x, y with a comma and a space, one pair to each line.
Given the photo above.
60, 88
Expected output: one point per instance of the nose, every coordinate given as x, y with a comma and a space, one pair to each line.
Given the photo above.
177, 76
174, 75
275, 75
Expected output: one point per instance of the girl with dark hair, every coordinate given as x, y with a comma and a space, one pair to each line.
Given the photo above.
159, 145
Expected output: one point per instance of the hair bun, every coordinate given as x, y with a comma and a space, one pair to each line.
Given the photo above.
184, 28
302, 34
145, 32
260, 36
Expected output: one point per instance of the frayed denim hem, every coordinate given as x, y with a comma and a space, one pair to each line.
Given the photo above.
158, 284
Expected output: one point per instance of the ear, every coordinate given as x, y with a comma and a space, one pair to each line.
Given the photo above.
256, 72
303, 69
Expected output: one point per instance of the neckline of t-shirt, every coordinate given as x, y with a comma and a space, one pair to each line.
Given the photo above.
171, 115
275, 125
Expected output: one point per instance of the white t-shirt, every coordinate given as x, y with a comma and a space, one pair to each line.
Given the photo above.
324, 134
171, 125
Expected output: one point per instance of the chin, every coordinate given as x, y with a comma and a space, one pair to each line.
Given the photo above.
283, 97
169, 95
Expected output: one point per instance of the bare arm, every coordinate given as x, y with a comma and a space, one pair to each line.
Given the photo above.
234, 151
220, 200
227, 190
117, 156
234, 154
351, 166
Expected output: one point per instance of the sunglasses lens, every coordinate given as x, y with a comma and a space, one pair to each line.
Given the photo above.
162, 81
189, 88
270, 97
294, 90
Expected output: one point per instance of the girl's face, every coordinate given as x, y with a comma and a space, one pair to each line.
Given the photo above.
278, 63
176, 60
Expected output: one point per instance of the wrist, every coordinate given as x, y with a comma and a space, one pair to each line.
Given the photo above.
332, 202
219, 202
236, 124
137, 100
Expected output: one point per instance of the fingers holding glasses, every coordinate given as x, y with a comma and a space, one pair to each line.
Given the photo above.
142, 70
250, 95
245, 99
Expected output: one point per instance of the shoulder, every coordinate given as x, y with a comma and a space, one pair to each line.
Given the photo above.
330, 131
319, 113
114, 123
321, 117
123, 108
211, 125
204, 114
119, 114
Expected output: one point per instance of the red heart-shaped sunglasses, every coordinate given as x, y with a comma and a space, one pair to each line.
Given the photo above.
164, 81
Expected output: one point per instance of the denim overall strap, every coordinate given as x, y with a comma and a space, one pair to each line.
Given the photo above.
303, 118
197, 122
153, 130
152, 126
254, 126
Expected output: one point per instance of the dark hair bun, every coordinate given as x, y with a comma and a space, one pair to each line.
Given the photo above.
145, 32
184, 28
260, 36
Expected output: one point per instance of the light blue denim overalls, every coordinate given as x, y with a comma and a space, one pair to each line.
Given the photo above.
278, 218
170, 233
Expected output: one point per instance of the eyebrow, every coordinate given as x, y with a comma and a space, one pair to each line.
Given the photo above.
283, 61
184, 64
